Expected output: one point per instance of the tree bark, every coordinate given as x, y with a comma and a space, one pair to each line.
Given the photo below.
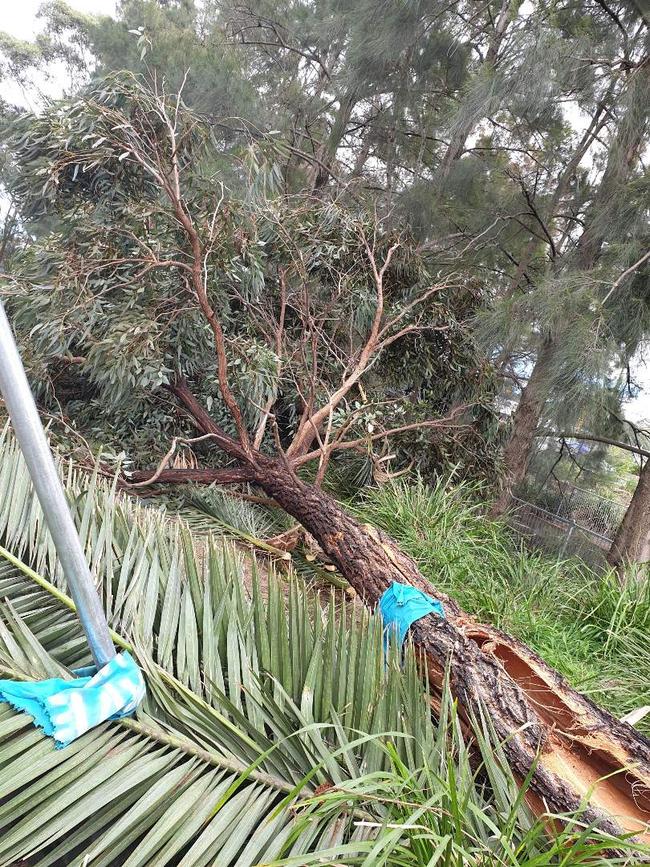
571, 748
632, 540
525, 421
206, 476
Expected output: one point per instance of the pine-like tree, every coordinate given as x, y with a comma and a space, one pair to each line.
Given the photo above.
577, 317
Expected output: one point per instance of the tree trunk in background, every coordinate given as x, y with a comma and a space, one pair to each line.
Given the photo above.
326, 153
632, 540
525, 421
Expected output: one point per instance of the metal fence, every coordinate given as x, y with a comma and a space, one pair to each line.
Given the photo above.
580, 526
586, 508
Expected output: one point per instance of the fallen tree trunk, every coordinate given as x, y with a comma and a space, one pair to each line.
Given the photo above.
535, 713
578, 753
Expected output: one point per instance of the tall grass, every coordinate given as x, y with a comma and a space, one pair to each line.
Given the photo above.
437, 823
583, 623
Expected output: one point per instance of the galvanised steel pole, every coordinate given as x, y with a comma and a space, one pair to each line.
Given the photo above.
38, 457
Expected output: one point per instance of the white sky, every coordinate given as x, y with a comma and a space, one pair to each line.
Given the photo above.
19, 18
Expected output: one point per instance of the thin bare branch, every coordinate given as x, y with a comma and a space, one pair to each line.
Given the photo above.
163, 463
444, 423
625, 274
305, 434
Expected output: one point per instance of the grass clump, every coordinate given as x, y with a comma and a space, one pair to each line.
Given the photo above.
583, 623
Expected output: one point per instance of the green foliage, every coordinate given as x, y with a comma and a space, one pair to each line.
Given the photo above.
467, 124
436, 821
106, 284
246, 704
18, 55
183, 44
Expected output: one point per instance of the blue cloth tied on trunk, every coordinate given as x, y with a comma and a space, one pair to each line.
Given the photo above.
65, 709
401, 605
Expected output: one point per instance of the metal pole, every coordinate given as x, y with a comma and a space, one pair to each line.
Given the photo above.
40, 463
567, 539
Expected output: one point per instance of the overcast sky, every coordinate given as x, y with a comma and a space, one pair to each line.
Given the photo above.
19, 17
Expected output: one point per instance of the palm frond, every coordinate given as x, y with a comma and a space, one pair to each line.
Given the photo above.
252, 702
215, 510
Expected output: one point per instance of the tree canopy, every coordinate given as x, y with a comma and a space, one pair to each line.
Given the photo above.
502, 147
334, 323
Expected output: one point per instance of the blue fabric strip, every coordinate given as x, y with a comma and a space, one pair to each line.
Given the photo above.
65, 709
401, 605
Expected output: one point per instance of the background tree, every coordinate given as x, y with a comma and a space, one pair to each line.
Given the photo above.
541, 256
589, 236
631, 544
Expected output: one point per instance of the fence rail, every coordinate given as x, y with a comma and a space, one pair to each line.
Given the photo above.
560, 535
